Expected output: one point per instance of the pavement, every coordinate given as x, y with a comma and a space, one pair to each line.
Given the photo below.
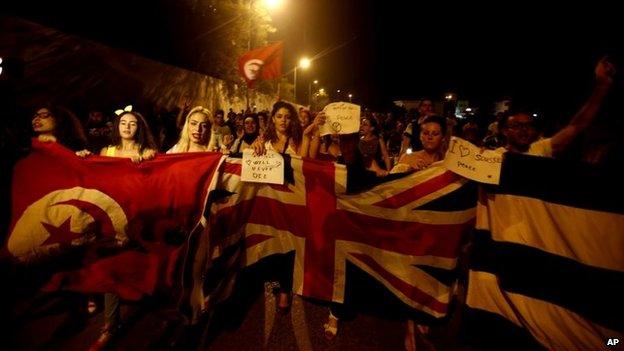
58, 323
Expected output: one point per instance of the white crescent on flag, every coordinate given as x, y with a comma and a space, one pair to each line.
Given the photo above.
66, 217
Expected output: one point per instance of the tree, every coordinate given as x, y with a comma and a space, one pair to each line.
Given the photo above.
220, 31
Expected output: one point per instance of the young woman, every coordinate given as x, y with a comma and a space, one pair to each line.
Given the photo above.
131, 138
58, 124
373, 148
432, 137
195, 134
249, 136
285, 135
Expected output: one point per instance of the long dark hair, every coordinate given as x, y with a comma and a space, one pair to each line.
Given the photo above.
68, 130
143, 135
294, 131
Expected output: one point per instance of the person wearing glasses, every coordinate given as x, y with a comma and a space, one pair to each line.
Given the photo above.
58, 124
519, 127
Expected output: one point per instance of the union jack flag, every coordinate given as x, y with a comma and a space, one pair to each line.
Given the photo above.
395, 232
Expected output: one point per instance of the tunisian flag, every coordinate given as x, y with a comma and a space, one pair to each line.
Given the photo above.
124, 225
262, 63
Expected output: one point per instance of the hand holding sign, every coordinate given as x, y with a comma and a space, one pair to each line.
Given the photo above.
341, 118
469, 161
267, 168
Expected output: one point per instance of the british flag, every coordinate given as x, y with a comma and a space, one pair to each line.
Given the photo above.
394, 231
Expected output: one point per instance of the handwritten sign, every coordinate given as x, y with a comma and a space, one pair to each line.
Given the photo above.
342, 118
469, 161
268, 168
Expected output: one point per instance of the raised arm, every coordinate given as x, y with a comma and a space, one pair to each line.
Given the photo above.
384, 153
585, 116
312, 136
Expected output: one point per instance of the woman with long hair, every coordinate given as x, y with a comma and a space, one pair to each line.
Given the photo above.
58, 124
131, 138
372, 146
195, 134
284, 133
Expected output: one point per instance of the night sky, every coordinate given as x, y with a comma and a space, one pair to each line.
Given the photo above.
391, 49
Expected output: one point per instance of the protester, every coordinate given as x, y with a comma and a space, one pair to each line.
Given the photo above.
131, 138
249, 136
195, 133
519, 127
58, 124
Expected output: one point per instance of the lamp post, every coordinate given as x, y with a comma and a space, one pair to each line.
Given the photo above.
310, 91
350, 96
304, 63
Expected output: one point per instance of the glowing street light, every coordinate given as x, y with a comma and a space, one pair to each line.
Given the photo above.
350, 96
305, 62
273, 4
316, 81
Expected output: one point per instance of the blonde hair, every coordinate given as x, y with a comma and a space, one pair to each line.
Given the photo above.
185, 141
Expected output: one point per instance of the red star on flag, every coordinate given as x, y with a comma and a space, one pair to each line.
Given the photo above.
61, 234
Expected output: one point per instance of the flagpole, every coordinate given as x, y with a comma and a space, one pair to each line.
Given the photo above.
249, 48
295, 89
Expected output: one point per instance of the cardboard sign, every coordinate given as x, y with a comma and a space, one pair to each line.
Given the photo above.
268, 168
342, 118
469, 161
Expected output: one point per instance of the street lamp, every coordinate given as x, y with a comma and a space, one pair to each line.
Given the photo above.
304, 63
350, 96
273, 4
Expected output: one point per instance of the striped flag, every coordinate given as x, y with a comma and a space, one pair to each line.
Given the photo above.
548, 262
403, 233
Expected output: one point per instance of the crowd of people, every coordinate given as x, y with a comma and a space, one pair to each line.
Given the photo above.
388, 143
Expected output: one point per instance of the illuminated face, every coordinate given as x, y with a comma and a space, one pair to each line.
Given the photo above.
198, 126
520, 131
425, 108
281, 119
128, 126
239, 122
219, 119
43, 121
365, 127
431, 136
304, 117
250, 126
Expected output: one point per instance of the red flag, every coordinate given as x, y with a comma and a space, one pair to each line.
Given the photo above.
262, 63
61, 201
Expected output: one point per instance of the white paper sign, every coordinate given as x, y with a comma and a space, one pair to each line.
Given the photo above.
268, 168
468, 161
342, 118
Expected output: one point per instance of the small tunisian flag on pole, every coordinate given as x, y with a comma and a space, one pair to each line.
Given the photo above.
262, 63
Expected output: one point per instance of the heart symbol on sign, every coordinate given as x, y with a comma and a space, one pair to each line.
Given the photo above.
464, 151
248, 162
